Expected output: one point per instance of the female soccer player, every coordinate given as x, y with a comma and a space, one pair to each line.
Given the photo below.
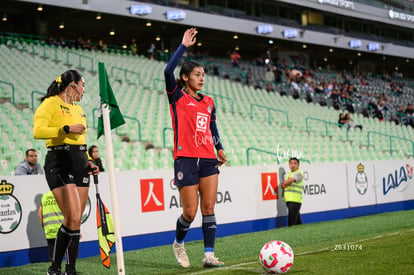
62, 123
195, 162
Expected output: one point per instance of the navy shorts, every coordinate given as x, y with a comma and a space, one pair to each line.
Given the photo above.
188, 171
66, 166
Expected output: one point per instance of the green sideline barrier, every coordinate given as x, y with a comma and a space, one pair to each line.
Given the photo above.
269, 109
12, 89
391, 137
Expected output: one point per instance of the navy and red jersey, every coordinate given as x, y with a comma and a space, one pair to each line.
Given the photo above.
193, 120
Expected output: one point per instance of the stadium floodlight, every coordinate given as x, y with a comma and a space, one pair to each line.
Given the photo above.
373, 47
355, 43
290, 33
175, 15
264, 29
140, 9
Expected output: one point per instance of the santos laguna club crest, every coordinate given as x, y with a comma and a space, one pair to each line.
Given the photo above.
361, 180
10, 209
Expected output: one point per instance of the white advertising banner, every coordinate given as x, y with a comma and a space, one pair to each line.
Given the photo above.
149, 201
394, 180
361, 183
324, 187
19, 204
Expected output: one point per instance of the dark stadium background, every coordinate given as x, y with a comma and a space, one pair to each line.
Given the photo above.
22, 17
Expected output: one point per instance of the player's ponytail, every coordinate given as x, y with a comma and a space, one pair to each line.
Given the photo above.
186, 69
61, 83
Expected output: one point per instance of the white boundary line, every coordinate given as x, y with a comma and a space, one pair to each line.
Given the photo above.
234, 267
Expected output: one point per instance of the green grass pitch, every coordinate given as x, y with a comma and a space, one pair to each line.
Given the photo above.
375, 244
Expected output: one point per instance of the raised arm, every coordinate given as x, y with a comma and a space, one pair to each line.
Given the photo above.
188, 40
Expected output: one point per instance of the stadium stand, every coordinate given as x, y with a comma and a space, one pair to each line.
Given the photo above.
257, 127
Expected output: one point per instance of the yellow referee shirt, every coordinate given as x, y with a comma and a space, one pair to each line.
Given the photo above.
50, 117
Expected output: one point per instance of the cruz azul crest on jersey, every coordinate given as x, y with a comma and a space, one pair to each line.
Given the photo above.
201, 123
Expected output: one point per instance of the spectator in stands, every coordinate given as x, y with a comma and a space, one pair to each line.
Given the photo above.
336, 99
79, 44
94, 154
375, 110
348, 122
62, 124
195, 160
151, 50
341, 120
269, 76
409, 119
88, 44
234, 56
295, 77
269, 79
309, 89
29, 166
51, 41
133, 46
62, 42
101, 46
278, 74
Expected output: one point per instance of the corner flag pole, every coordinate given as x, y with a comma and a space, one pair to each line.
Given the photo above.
112, 185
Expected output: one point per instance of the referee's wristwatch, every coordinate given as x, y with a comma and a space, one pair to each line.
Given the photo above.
66, 129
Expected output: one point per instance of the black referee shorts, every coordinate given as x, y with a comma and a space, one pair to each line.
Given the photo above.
65, 165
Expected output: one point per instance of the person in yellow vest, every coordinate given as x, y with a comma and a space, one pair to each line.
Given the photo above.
51, 219
293, 188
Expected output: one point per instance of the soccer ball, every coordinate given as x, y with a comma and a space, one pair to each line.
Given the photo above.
276, 257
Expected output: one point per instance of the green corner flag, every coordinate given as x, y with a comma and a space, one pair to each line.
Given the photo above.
107, 98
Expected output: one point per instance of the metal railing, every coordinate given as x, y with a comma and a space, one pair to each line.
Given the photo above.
12, 89
269, 109
33, 98
164, 130
138, 126
222, 97
390, 137
267, 152
126, 73
326, 122
81, 57
94, 120
155, 86
259, 150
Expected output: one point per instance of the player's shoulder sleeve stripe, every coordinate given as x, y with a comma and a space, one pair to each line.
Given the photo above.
173, 91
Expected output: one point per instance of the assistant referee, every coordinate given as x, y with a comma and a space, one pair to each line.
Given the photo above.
62, 123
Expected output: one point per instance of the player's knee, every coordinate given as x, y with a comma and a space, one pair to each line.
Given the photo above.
207, 210
189, 215
73, 221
